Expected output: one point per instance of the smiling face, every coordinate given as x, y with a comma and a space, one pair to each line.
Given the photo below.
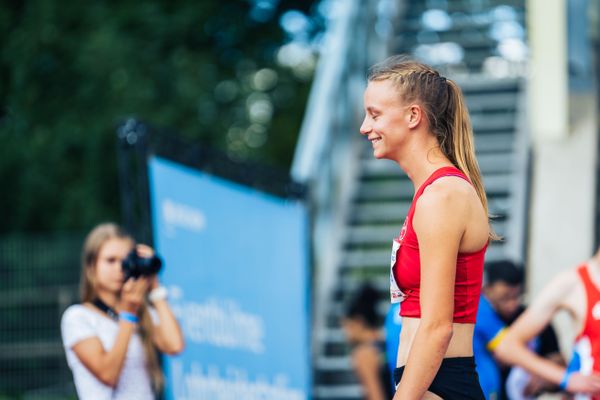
387, 120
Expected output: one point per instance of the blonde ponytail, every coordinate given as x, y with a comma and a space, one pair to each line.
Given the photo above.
462, 153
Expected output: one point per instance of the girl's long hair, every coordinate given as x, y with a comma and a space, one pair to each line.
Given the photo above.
87, 290
445, 110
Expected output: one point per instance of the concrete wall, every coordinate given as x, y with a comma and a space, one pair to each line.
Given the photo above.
564, 129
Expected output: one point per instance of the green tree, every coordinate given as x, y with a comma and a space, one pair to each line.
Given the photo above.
70, 73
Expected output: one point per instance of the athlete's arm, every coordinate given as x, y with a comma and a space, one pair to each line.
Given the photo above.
439, 222
513, 347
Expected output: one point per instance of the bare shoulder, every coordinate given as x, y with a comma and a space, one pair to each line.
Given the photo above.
565, 280
447, 197
449, 186
560, 291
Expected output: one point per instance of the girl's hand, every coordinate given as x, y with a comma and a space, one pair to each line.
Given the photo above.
147, 252
144, 250
133, 294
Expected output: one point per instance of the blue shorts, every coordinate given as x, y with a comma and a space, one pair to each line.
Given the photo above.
455, 380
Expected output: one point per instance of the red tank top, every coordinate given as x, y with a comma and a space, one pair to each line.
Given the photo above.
407, 267
587, 344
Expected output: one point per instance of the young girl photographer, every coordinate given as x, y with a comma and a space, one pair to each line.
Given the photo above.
111, 339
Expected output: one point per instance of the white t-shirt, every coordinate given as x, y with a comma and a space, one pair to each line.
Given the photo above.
79, 323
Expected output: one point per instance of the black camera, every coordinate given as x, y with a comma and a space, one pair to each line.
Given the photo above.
135, 266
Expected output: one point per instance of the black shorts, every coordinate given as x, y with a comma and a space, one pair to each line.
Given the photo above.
456, 379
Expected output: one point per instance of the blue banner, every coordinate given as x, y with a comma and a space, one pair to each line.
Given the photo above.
236, 270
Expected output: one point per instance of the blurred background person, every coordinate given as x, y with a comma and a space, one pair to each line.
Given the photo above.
576, 291
500, 304
111, 339
362, 326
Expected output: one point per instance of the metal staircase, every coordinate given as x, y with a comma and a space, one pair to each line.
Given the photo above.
477, 43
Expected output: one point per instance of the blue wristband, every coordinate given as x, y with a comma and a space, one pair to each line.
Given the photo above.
128, 317
565, 380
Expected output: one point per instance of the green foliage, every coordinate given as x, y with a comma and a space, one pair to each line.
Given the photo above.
70, 72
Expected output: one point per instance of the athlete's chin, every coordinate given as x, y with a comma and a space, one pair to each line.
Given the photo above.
379, 155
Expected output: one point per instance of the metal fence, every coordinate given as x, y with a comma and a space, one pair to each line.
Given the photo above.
39, 277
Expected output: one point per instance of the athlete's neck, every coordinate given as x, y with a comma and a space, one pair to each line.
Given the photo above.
419, 176
421, 159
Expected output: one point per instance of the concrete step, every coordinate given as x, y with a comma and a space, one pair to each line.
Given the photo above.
350, 283
474, 38
332, 335
460, 22
373, 235
482, 84
337, 363
338, 308
335, 349
380, 212
489, 163
416, 8
393, 212
493, 122
375, 262
373, 259
387, 190
484, 102
492, 142
338, 392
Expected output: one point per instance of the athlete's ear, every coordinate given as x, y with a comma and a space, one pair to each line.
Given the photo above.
414, 115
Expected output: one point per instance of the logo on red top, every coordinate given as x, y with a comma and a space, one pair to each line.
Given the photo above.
596, 311
402, 231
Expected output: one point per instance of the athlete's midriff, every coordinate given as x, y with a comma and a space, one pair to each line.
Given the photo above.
407, 269
461, 343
